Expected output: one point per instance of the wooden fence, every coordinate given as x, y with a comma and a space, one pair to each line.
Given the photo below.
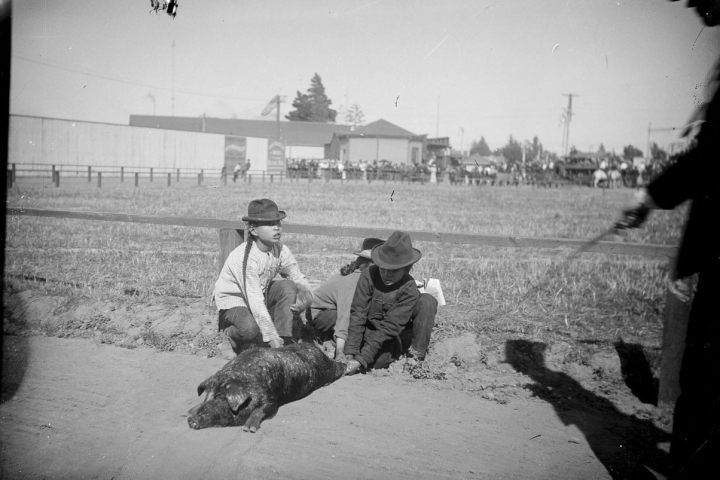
610, 248
231, 236
174, 175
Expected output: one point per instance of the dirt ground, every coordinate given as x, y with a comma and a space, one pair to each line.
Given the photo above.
94, 389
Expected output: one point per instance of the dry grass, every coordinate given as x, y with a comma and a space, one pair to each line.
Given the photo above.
490, 290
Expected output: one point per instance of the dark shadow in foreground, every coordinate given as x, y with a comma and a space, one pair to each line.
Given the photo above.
626, 445
637, 373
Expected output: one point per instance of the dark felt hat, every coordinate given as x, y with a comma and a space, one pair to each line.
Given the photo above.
263, 210
367, 246
396, 253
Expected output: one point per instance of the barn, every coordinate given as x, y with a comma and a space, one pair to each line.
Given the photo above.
308, 140
379, 140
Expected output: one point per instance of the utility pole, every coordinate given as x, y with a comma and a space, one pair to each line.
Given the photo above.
568, 119
280, 99
462, 140
173, 78
437, 122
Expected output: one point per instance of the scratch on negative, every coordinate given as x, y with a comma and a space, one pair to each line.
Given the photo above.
696, 38
338, 14
436, 46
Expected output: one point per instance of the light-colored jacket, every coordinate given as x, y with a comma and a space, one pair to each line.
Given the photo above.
262, 268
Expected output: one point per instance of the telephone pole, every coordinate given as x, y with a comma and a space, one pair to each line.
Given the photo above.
173, 78
568, 118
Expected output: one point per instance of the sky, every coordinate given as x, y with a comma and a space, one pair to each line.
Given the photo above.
463, 69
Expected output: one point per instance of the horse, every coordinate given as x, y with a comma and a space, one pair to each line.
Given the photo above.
599, 176
614, 178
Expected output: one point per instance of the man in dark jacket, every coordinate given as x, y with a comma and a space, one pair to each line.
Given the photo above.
695, 444
383, 316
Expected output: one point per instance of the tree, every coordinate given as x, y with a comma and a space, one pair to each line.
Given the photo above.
314, 106
601, 148
658, 154
354, 116
512, 151
536, 150
480, 147
630, 152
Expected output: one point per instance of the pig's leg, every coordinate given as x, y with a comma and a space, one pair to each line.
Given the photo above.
258, 415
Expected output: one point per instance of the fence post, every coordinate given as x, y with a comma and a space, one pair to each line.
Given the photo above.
57, 179
230, 239
199, 179
9, 179
178, 175
224, 178
169, 177
89, 174
202, 174
151, 174
675, 322
53, 173
263, 180
271, 178
122, 174
137, 176
249, 179
14, 178
281, 175
99, 179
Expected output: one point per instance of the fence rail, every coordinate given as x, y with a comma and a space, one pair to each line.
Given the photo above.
610, 248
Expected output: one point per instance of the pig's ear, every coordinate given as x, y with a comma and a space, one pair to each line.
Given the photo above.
236, 395
208, 384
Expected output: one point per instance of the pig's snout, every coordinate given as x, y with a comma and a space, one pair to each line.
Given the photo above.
193, 423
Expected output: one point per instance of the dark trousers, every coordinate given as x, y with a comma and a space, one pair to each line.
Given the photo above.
695, 445
241, 328
415, 335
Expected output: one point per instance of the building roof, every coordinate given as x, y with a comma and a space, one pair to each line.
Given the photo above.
293, 133
381, 128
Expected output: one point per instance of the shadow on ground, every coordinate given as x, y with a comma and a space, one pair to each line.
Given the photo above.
15, 347
637, 373
626, 445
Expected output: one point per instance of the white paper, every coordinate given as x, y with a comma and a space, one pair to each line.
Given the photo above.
432, 286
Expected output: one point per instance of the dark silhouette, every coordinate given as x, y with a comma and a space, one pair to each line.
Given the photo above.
626, 445
637, 373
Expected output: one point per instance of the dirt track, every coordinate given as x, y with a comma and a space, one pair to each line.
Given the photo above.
73, 408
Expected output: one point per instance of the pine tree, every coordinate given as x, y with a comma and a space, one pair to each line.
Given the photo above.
314, 106
355, 116
480, 147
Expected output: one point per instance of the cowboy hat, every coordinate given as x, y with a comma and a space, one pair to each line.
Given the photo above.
396, 253
263, 210
368, 245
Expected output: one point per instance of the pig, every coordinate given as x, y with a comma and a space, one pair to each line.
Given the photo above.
251, 387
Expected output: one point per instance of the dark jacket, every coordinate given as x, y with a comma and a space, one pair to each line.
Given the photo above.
378, 313
696, 176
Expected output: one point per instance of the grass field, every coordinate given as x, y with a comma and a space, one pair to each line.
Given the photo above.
488, 290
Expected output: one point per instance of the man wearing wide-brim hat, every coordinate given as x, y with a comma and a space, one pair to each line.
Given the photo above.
329, 314
388, 315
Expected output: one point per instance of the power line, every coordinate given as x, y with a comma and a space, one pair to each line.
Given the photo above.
130, 82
